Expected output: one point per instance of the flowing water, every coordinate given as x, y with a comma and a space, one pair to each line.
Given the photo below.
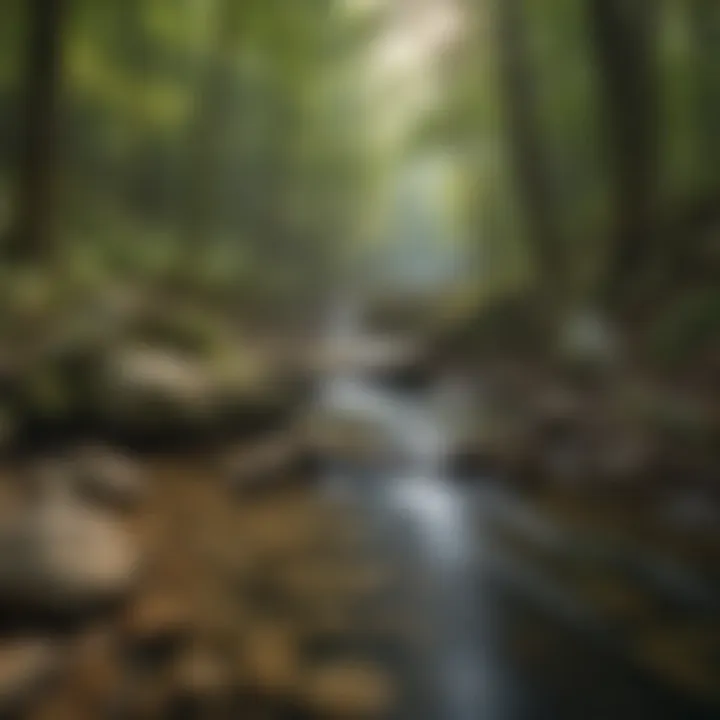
498, 643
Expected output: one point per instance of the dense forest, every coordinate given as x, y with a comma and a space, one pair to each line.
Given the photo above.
231, 153
524, 196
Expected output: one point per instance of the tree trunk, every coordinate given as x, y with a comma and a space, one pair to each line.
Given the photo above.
31, 236
529, 161
624, 34
704, 18
204, 158
208, 125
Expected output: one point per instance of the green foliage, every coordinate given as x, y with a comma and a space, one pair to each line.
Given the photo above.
200, 138
218, 147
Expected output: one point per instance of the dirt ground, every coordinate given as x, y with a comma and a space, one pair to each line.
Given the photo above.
260, 605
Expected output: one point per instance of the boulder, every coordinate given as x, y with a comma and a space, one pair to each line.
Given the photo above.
63, 556
156, 390
153, 386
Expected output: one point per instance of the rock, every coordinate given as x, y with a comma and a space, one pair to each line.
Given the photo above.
505, 448
201, 685
150, 390
157, 622
26, 666
589, 338
556, 403
271, 663
202, 674
108, 478
345, 691
244, 375
279, 460
626, 458
339, 436
412, 374
61, 555
14, 496
153, 386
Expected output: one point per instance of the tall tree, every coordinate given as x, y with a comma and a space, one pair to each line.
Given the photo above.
705, 26
207, 123
525, 142
624, 35
31, 236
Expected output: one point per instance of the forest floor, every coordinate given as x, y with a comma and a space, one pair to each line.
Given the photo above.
252, 605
